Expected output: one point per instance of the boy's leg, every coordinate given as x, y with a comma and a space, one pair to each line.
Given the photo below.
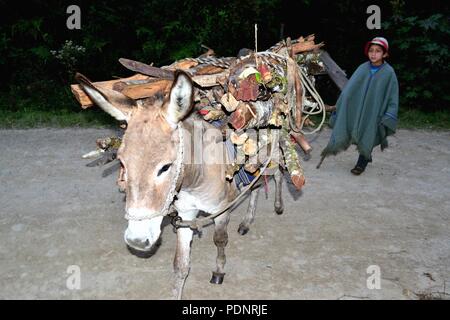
361, 165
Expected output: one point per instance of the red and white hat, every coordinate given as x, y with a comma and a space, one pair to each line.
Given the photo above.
379, 41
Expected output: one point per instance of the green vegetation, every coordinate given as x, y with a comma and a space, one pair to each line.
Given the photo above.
56, 119
39, 55
423, 64
419, 119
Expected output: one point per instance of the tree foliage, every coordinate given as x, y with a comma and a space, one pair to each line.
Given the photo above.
421, 45
38, 54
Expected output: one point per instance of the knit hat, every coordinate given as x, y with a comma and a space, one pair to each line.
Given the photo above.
379, 41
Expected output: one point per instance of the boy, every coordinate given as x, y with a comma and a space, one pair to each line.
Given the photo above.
366, 111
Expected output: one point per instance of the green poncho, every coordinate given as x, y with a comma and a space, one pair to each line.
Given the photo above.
366, 111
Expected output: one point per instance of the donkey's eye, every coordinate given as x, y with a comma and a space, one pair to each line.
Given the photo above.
164, 168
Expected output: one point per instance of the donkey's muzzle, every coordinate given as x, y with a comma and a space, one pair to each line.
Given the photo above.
142, 249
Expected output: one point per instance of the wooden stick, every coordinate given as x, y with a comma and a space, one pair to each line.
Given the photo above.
334, 71
320, 162
298, 91
146, 69
291, 158
301, 141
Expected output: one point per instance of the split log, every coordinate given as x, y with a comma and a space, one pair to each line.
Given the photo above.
229, 102
267, 139
84, 99
205, 69
307, 44
252, 114
140, 91
210, 80
250, 147
238, 139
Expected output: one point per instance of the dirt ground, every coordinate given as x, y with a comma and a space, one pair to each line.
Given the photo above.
55, 213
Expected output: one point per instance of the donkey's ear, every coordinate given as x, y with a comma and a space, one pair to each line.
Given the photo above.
181, 98
114, 103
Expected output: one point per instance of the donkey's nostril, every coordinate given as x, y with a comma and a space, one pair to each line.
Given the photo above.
138, 245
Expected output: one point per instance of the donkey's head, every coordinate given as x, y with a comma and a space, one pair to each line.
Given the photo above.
148, 153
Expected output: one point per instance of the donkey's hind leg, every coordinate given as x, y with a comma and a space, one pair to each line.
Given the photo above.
278, 177
244, 226
220, 240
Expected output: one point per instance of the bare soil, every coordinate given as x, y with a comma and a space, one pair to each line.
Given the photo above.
55, 212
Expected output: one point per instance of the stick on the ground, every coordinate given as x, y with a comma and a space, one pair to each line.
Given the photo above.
320, 162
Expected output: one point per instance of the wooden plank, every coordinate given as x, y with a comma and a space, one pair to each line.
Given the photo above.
84, 99
145, 90
211, 80
334, 71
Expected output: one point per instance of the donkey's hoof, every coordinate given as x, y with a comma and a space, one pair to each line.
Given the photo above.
217, 278
279, 210
243, 230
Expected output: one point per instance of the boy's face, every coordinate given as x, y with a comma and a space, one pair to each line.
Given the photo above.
376, 54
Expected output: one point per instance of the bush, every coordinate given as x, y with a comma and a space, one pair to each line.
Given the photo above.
420, 47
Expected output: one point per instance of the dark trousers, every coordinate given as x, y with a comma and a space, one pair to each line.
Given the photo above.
362, 161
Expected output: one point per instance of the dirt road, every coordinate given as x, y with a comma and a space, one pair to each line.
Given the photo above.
56, 213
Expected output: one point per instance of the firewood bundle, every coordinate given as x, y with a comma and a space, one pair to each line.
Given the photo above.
272, 89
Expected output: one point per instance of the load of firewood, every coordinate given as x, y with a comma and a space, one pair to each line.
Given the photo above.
272, 89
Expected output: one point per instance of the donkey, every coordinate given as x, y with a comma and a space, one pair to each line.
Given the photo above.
150, 172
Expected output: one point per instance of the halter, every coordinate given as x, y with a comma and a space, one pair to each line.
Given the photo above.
174, 186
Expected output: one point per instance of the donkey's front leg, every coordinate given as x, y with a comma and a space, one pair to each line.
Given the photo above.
182, 261
220, 240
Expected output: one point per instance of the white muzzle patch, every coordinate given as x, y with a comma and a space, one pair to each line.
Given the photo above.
142, 234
